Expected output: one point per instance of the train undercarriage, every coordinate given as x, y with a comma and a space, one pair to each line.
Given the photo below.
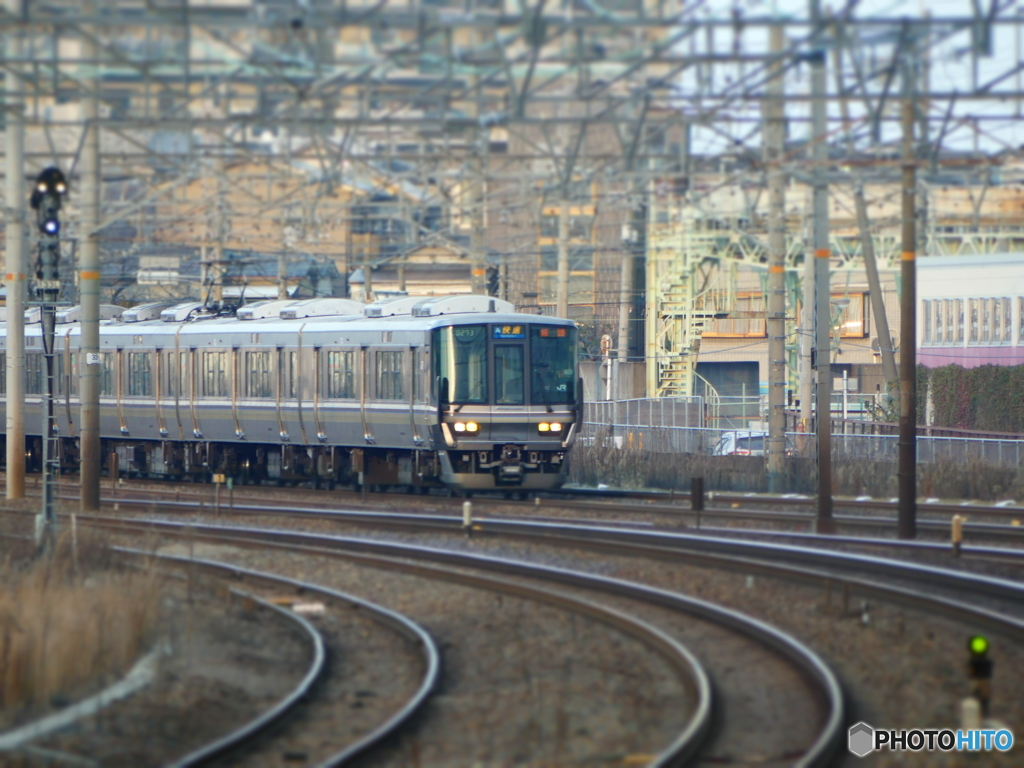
509, 467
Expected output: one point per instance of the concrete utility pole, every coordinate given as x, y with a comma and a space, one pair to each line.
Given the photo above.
807, 321
217, 266
907, 474
15, 273
619, 391
822, 295
562, 296
775, 309
89, 289
477, 244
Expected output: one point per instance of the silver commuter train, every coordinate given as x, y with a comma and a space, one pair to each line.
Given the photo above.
457, 391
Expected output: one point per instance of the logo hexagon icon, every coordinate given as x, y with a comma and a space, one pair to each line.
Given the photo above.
861, 739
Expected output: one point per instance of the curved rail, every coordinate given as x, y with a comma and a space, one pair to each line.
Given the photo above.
810, 664
378, 613
259, 723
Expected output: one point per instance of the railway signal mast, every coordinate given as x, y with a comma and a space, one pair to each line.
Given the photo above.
47, 195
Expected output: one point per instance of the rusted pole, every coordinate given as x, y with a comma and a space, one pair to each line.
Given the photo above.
907, 522
825, 523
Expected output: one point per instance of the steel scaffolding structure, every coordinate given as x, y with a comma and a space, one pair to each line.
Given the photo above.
351, 130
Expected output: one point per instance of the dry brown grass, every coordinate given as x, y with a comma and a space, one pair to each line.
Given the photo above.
65, 630
601, 462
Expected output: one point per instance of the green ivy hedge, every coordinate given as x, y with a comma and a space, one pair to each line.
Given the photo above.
989, 397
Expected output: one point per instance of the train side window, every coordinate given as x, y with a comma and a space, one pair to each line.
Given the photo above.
341, 374
140, 380
389, 376
72, 379
257, 374
33, 373
170, 375
107, 379
293, 375
3, 373
215, 374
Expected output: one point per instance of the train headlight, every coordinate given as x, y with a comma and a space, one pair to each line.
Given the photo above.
472, 426
460, 427
556, 427
543, 427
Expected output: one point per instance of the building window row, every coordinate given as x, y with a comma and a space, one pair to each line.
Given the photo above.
974, 322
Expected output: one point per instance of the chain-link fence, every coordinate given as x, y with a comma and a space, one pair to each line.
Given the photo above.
674, 425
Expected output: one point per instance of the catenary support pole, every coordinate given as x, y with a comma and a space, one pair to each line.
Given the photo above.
907, 474
89, 291
807, 322
825, 522
562, 295
773, 110
15, 91
875, 287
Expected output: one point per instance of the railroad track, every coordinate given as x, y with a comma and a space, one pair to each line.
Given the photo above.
158, 500
821, 685
983, 522
317, 705
976, 601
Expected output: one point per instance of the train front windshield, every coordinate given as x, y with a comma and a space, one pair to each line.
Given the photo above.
553, 365
539, 361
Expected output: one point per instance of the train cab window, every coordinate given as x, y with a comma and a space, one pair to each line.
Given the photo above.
341, 374
389, 375
257, 375
552, 365
508, 375
140, 381
215, 374
460, 359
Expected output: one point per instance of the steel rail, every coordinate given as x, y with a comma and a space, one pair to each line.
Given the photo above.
265, 719
395, 621
574, 533
790, 499
972, 528
683, 748
612, 502
820, 753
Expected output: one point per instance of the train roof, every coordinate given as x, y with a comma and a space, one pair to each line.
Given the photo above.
309, 325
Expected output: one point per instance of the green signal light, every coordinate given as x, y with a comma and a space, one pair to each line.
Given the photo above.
978, 645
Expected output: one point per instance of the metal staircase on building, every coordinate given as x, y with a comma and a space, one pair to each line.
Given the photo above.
683, 304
